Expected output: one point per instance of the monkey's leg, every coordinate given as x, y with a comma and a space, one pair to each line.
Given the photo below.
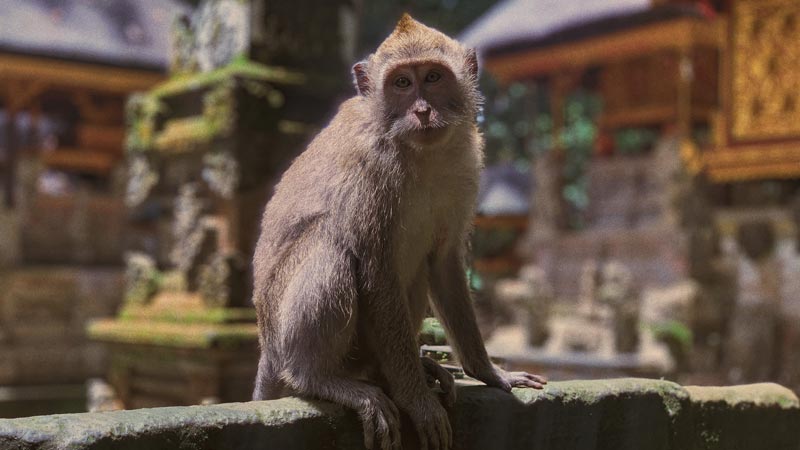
452, 302
384, 312
418, 301
317, 327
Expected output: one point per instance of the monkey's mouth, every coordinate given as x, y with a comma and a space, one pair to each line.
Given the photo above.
429, 128
428, 134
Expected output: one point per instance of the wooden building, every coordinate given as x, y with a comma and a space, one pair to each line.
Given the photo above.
66, 70
715, 199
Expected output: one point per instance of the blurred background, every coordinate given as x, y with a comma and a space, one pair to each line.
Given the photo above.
639, 214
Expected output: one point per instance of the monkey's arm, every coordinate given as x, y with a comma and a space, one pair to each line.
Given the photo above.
452, 302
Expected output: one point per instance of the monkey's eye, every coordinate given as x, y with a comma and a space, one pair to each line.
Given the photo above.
433, 77
402, 82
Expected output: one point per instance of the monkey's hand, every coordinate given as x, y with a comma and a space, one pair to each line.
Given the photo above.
431, 422
381, 421
433, 373
499, 378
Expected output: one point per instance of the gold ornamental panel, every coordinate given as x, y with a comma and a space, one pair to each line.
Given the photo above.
765, 70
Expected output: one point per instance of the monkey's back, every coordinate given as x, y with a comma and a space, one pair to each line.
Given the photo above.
335, 192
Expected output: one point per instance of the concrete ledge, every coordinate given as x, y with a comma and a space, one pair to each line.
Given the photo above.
634, 414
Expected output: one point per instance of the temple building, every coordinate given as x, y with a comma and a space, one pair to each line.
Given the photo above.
693, 174
66, 70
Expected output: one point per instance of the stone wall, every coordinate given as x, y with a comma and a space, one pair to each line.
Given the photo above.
620, 414
45, 358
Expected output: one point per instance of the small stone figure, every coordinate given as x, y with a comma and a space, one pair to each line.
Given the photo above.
531, 292
223, 281
101, 397
617, 291
588, 288
752, 335
140, 278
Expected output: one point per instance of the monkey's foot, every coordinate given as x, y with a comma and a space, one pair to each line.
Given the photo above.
381, 421
430, 421
433, 373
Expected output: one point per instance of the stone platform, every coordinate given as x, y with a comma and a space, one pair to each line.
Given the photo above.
621, 414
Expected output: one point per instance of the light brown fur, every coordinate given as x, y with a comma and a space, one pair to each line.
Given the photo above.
366, 228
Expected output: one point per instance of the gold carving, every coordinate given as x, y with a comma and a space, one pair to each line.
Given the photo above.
765, 89
753, 162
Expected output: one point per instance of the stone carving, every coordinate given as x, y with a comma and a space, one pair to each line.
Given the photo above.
223, 281
140, 116
223, 32
195, 239
101, 397
532, 293
617, 291
590, 278
221, 173
219, 109
141, 180
182, 55
141, 278
188, 212
753, 323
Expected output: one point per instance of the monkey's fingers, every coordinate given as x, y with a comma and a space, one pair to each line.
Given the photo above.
535, 377
525, 379
381, 419
392, 417
443, 376
377, 426
433, 429
500, 382
429, 437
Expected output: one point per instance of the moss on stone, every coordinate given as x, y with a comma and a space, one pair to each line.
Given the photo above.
566, 415
240, 66
432, 332
193, 335
188, 315
592, 391
184, 134
759, 394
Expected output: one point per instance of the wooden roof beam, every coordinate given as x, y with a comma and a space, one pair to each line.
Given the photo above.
679, 34
77, 75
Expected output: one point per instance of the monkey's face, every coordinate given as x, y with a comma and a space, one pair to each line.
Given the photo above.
423, 102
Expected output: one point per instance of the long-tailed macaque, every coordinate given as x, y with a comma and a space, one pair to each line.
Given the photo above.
366, 227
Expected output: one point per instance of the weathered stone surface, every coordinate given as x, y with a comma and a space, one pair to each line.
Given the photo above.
578, 415
43, 310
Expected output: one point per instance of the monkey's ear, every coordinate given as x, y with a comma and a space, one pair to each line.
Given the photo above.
361, 78
472, 62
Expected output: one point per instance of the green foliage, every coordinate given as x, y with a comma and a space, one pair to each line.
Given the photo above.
518, 126
631, 141
508, 120
140, 115
577, 139
678, 337
432, 332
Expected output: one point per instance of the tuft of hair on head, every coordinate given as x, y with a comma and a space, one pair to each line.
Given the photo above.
406, 24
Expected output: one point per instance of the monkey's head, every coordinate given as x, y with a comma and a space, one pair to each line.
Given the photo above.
421, 83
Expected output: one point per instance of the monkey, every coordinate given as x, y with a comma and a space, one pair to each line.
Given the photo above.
367, 228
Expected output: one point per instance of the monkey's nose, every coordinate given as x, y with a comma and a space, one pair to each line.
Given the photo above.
423, 114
